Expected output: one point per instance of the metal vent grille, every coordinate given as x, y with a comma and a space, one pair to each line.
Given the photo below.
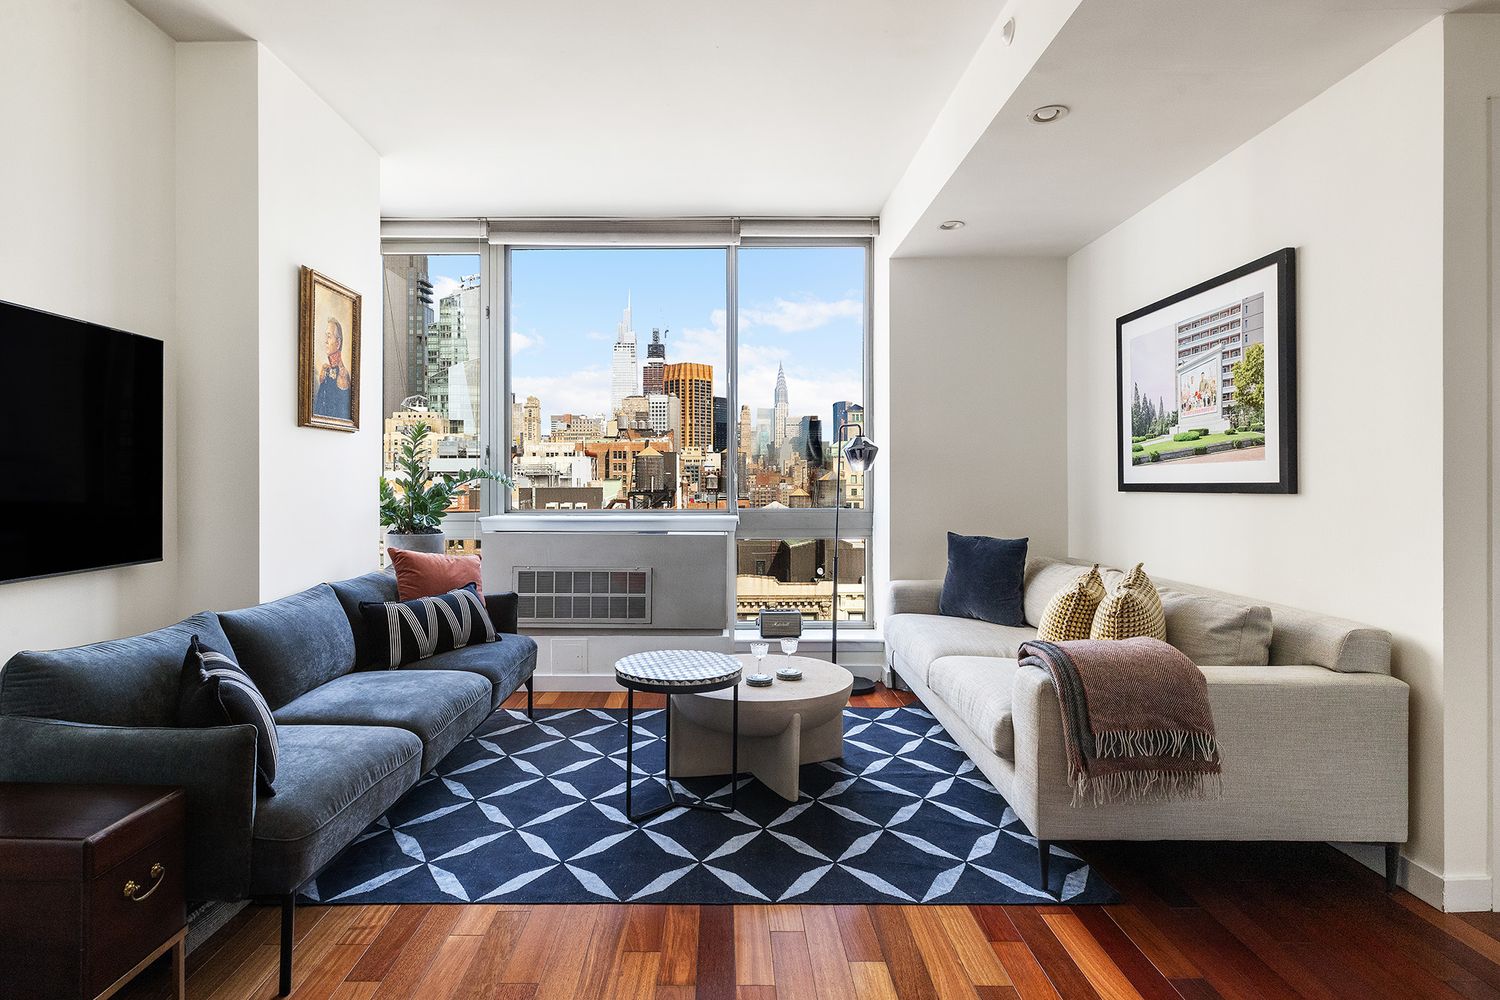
577, 596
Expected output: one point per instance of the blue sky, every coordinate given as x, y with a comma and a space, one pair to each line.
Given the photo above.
799, 307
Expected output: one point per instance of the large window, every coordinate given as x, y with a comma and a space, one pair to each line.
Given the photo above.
801, 374
618, 379
433, 341
682, 378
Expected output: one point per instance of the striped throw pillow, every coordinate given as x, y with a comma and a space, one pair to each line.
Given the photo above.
406, 631
1070, 613
214, 691
1132, 609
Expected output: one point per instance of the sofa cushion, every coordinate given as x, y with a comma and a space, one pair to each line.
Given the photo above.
118, 682
427, 574
440, 707
977, 689
214, 691
914, 641
416, 629
290, 646
1044, 579
1212, 630
504, 664
372, 588
333, 781
984, 579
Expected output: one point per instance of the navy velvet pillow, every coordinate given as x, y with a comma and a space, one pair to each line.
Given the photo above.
984, 579
214, 691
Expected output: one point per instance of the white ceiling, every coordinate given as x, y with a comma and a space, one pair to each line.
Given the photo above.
613, 107
1159, 89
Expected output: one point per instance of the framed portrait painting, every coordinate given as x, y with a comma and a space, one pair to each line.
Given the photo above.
1207, 383
327, 354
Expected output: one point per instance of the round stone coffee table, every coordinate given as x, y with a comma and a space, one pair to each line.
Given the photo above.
781, 727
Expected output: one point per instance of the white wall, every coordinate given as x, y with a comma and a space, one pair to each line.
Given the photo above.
977, 352
1472, 79
319, 206
272, 179
217, 309
1354, 180
86, 230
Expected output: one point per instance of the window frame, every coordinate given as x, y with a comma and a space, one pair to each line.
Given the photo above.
496, 432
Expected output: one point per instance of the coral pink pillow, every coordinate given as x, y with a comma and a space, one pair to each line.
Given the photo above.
424, 574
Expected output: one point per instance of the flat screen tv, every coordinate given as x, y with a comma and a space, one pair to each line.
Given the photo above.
80, 446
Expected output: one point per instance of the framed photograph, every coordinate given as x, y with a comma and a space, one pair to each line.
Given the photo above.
1207, 382
327, 354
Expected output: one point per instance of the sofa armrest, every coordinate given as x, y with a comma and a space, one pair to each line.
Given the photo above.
214, 767
504, 609
915, 597
1308, 753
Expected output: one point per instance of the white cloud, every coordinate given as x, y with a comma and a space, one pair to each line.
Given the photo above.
794, 317
442, 287
585, 391
521, 341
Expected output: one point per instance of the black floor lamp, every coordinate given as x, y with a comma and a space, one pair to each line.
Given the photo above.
860, 453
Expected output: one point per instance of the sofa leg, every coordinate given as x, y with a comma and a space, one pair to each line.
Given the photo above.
1044, 857
1392, 865
288, 911
530, 713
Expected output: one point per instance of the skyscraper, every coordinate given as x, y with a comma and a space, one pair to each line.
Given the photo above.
453, 341
745, 440
624, 375
847, 411
408, 311
531, 421
721, 423
665, 417
779, 428
656, 360
693, 383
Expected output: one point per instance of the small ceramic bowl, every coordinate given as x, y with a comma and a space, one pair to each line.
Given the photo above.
789, 674
758, 680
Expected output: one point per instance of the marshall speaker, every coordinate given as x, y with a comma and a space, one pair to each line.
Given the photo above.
780, 623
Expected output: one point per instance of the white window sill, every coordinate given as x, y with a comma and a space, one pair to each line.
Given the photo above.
621, 522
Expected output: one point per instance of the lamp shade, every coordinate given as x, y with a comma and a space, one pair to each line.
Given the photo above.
860, 453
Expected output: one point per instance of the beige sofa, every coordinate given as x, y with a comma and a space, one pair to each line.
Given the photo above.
1314, 741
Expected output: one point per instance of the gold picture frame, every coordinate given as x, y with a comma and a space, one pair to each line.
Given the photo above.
327, 353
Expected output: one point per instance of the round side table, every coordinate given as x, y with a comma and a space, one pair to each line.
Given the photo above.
786, 725
669, 672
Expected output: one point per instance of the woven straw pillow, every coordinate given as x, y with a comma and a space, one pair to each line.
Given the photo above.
1071, 610
1132, 609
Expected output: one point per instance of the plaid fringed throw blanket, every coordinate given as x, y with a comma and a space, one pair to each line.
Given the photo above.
1136, 720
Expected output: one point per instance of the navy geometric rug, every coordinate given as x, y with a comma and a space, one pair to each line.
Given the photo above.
525, 812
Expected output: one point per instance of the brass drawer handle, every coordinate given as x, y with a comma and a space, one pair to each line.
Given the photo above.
133, 888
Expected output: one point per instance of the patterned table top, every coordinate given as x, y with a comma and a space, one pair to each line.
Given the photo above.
687, 667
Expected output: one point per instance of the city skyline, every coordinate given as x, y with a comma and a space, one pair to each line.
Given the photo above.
803, 310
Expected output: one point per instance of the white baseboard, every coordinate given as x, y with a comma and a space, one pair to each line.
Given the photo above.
1459, 894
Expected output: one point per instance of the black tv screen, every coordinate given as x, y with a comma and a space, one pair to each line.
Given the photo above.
80, 446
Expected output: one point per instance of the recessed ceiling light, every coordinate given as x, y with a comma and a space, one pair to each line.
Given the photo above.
951, 225
1048, 113
1008, 31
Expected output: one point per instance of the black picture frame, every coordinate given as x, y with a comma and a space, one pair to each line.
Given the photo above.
1285, 376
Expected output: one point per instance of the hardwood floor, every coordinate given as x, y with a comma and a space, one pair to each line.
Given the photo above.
1198, 921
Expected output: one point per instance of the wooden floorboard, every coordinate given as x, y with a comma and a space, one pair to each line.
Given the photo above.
1196, 922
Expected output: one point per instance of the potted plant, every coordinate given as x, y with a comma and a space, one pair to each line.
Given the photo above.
412, 507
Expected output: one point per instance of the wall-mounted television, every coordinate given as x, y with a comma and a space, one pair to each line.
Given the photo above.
80, 446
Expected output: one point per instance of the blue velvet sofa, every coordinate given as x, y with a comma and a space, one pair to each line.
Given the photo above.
351, 740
